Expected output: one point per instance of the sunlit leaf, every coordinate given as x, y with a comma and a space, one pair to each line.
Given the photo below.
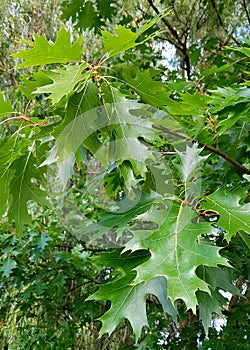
124, 38
45, 52
5, 105
175, 253
64, 82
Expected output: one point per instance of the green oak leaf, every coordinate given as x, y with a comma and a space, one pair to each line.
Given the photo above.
84, 14
190, 104
207, 305
105, 8
44, 52
88, 17
245, 237
64, 81
151, 91
70, 9
29, 85
243, 49
43, 241
127, 299
125, 132
5, 106
10, 152
78, 128
124, 38
233, 215
23, 189
175, 253
127, 211
8, 266
190, 161
217, 279
5, 180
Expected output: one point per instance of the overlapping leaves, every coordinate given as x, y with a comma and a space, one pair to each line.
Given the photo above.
64, 82
114, 135
175, 254
128, 300
23, 189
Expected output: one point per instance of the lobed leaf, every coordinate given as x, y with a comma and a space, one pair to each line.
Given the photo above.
5, 106
233, 215
64, 83
45, 52
128, 300
175, 253
23, 189
124, 38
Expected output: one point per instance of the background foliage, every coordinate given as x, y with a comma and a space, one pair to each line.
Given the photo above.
124, 174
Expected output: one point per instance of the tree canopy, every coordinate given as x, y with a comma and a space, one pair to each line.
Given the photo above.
125, 174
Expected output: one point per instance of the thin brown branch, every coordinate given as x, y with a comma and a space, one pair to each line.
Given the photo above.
207, 147
12, 78
179, 42
172, 30
217, 13
246, 10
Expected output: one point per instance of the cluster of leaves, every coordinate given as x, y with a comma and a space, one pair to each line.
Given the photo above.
153, 205
46, 279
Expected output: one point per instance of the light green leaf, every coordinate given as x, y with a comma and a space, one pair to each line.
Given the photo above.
30, 84
190, 161
233, 216
64, 81
45, 52
5, 106
175, 253
124, 38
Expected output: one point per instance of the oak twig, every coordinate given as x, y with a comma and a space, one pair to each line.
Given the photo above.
207, 147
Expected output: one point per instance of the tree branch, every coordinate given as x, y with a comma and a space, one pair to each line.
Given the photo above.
246, 10
207, 147
179, 43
